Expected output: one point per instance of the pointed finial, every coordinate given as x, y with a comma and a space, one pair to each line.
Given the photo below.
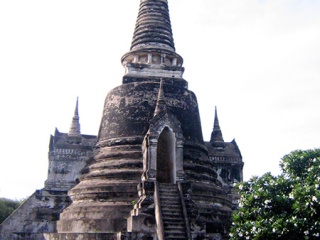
216, 120
161, 103
74, 130
216, 135
76, 112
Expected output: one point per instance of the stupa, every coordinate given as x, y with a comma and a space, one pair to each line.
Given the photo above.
151, 174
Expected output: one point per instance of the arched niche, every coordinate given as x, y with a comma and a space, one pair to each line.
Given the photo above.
166, 157
163, 150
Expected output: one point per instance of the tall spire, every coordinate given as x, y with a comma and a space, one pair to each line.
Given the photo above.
152, 52
161, 103
153, 26
216, 135
74, 130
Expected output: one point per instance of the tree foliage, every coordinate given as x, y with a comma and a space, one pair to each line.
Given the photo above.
281, 207
7, 206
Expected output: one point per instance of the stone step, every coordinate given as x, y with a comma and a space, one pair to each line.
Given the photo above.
175, 204
168, 190
173, 214
174, 226
173, 222
169, 194
175, 236
171, 204
168, 185
175, 232
167, 237
169, 210
172, 219
166, 208
178, 227
166, 205
170, 198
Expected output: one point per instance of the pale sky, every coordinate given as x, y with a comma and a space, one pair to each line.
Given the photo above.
258, 61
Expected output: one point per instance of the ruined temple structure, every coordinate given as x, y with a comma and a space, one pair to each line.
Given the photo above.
148, 174
68, 153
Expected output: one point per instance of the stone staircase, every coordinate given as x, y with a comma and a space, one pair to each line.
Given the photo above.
172, 215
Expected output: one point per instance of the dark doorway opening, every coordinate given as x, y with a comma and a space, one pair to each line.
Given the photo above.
166, 155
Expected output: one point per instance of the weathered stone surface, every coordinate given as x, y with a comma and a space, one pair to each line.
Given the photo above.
40, 212
130, 107
150, 175
37, 215
82, 236
67, 158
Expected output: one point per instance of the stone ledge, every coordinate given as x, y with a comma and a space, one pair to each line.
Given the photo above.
100, 236
81, 236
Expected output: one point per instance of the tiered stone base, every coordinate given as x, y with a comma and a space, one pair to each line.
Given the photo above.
82, 236
99, 236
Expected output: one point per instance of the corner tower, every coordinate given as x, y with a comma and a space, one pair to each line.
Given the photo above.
226, 156
227, 160
149, 150
68, 153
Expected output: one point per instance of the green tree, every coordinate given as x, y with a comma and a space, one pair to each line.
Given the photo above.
7, 206
281, 207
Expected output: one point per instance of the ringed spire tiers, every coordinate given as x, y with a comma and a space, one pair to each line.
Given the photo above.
152, 52
153, 26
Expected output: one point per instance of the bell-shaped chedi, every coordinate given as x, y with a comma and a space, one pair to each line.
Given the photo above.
149, 143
